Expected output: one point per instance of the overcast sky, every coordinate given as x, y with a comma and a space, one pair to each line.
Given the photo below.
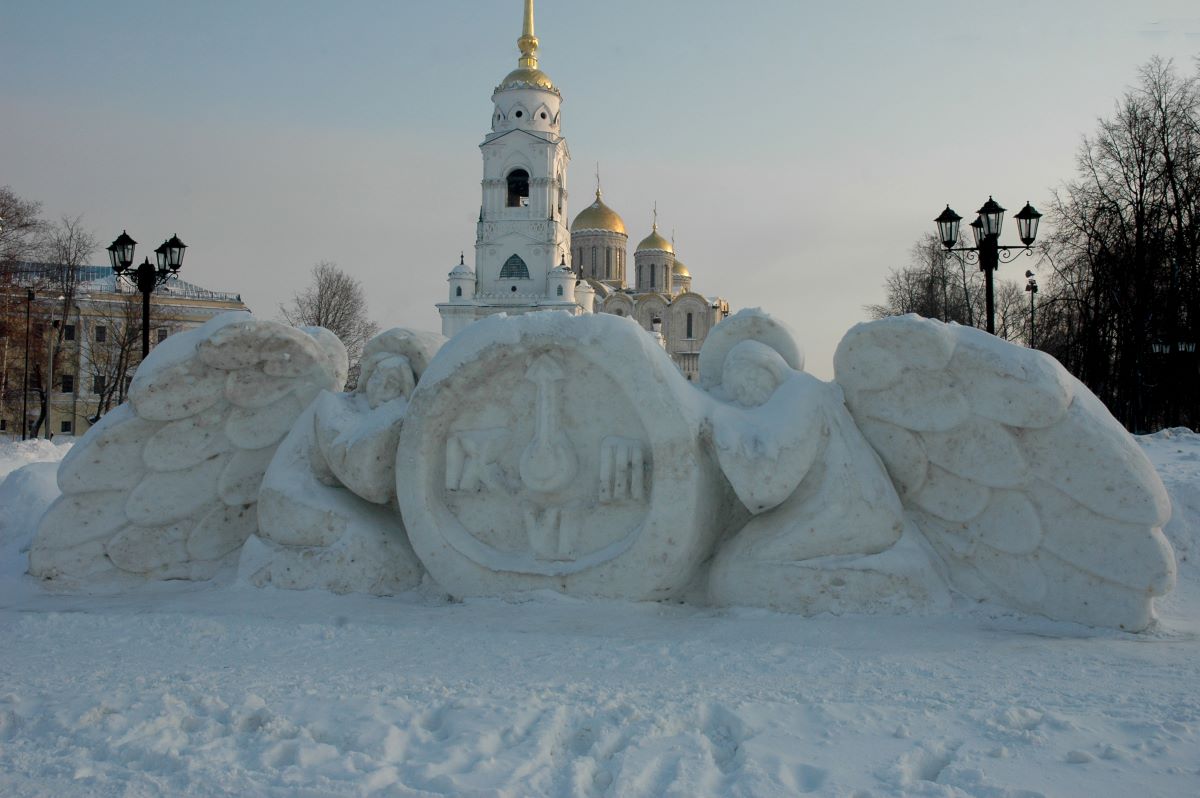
796, 149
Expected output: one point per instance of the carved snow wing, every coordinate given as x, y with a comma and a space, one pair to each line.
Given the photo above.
187, 452
533, 457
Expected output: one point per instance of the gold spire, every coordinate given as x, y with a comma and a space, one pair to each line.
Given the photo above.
528, 43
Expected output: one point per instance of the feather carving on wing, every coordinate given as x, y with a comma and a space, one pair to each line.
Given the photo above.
1019, 477
166, 485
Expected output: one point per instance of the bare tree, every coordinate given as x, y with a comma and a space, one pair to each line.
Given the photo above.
21, 226
1121, 306
948, 287
112, 361
336, 301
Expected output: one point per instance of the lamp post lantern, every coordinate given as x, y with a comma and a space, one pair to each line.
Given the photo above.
988, 251
146, 277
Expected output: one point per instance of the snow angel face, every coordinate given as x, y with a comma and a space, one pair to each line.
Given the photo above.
752, 373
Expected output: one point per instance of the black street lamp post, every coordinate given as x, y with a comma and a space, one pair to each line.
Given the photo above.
1032, 287
146, 277
987, 250
25, 374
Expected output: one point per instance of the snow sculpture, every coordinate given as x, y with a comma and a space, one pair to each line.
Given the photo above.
550, 452
1027, 489
546, 451
1026, 486
823, 507
327, 508
166, 486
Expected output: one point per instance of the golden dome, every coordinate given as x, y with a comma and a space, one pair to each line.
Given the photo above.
655, 241
523, 77
679, 270
599, 216
527, 74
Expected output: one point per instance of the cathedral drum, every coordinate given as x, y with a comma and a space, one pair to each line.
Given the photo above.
546, 451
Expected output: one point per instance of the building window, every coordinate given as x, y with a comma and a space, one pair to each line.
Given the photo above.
3, 424
689, 326
593, 261
101, 334
162, 334
514, 269
518, 188
458, 290
560, 293
65, 426
652, 271
68, 332
68, 383
608, 263
98, 381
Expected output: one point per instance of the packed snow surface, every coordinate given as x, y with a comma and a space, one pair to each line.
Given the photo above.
215, 688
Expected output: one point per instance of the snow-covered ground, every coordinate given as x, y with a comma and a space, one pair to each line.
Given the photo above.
218, 689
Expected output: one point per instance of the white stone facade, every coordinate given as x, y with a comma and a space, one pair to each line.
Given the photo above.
527, 259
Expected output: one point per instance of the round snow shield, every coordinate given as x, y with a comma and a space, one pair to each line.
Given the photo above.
554, 452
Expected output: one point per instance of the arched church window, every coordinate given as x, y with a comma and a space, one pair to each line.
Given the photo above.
593, 261
689, 326
514, 269
608, 263
458, 290
518, 188
560, 293
652, 271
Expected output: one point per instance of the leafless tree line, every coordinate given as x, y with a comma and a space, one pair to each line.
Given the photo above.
43, 257
1119, 303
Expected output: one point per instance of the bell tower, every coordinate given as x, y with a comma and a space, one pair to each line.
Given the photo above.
522, 234
522, 241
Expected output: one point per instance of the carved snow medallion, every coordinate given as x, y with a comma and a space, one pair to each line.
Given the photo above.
529, 460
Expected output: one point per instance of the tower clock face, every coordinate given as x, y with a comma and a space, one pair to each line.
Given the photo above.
547, 464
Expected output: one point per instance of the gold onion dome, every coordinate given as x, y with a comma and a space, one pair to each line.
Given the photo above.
523, 78
599, 216
527, 74
679, 270
655, 241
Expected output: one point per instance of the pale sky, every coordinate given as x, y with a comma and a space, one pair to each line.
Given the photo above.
796, 149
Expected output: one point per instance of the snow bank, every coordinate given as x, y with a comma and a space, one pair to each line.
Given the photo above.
189, 689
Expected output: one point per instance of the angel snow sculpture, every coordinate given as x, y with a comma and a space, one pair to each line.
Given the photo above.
166, 486
327, 508
1028, 490
551, 452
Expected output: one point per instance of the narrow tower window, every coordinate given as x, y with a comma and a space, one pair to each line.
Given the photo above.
689, 326
652, 271
518, 188
560, 293
458, 292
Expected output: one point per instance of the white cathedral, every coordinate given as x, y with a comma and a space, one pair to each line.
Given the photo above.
527, 259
